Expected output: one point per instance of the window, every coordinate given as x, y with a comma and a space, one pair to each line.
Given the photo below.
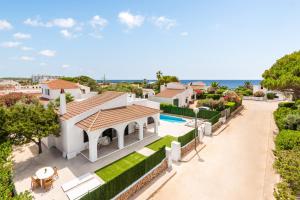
47, 92
85, 137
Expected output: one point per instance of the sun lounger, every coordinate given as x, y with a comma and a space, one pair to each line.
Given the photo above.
76, 181
82, 189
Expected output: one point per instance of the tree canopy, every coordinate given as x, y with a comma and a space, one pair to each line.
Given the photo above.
284, 75
84, 80
30, 123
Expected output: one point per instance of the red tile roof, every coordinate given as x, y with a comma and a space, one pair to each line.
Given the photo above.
109, 117
61, 84
77, 107
169, 93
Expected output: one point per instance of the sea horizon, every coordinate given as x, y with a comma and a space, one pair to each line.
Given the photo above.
223, 82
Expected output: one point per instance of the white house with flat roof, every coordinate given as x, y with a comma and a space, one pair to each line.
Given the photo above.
102, 124
175, 94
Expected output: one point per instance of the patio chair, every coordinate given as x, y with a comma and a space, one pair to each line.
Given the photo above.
55, 175
35, 182
48, 184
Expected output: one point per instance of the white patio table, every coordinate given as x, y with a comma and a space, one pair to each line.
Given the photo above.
44, 173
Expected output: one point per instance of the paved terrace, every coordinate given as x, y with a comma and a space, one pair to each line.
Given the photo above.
27, 162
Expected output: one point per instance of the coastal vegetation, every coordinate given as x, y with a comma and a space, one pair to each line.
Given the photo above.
284, 75
22, 120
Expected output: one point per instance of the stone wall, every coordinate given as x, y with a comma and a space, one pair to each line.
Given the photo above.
144, 181
237, 110
189, 147
216, 126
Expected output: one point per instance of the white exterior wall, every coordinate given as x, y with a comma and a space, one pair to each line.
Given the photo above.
161, 100
72, 140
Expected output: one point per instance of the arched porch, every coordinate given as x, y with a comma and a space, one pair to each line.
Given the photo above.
120, 136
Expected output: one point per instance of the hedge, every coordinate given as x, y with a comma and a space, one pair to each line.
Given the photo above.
287, 140
286, 104
113, 187
186, 138
204, 114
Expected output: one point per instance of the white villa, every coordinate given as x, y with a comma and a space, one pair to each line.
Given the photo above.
175, 94
102, 124
51, 89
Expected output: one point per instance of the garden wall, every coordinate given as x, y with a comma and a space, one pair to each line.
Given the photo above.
189, 147
143, 181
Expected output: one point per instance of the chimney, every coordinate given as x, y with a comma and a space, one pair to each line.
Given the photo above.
62, 102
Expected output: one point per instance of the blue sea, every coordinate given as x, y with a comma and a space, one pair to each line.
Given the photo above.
228, 83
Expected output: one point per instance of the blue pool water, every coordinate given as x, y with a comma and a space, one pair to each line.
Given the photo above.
171, 119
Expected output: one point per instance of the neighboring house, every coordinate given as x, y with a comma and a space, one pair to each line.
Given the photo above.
108, 117
148, 93
174, 93
51, 89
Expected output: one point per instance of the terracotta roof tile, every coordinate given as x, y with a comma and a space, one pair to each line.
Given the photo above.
77, 107
61, 84
107, 118
169, 93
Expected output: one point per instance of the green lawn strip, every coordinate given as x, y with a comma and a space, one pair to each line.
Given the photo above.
166, 140
114, 169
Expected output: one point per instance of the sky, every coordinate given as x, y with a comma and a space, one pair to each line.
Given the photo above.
133, 39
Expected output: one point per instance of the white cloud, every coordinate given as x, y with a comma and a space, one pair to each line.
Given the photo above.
184, 34
10, 44
164, 22
26, 58
98, 22
24, 48
36, 22
67, 34
21, 36
64, 22
48, 53
5, 25
59, 22
130, 20
65, 66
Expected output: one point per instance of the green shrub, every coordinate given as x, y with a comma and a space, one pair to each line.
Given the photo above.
186, 138
271, 95
204, 114
6, 183
116, 185
259, 94
243, 91
287, 164
286, 104
213, 96
280, 116
215, 119
231, 105
287, 140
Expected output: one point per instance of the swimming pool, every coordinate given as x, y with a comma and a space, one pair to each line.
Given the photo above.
171, 119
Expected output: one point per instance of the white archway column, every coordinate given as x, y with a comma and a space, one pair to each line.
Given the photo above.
120, 133
93, 141
141, 130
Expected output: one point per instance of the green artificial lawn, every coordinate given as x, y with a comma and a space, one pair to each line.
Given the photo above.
114, 169
155, 146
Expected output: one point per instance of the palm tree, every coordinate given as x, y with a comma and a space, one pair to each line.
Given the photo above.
213, 87
159, 74
248, 85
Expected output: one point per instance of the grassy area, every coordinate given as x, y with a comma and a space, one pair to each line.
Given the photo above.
161, 142
114, 169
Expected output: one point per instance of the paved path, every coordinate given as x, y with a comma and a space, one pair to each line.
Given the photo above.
237, 164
